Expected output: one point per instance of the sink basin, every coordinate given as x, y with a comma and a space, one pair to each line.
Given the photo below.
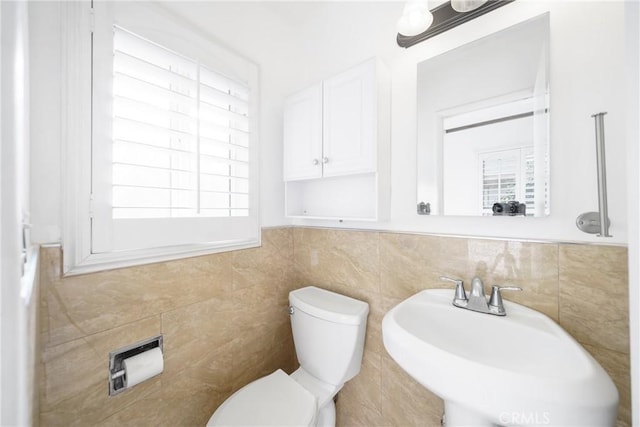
521, 369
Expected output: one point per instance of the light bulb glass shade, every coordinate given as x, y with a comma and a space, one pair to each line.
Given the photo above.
466, 5
415, 19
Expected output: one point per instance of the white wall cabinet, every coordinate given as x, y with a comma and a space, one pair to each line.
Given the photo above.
337, 146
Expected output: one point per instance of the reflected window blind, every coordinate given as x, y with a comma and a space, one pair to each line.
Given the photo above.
507, 175
180, 135
529, 181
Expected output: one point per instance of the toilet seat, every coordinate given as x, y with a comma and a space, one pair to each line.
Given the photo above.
274, 400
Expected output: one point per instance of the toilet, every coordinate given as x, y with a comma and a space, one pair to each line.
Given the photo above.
328, 333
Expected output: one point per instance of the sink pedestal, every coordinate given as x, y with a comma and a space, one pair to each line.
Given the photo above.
458, 416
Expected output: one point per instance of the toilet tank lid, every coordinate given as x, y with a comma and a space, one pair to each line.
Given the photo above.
329, 305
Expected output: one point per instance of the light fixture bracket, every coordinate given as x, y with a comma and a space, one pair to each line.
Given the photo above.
446, 18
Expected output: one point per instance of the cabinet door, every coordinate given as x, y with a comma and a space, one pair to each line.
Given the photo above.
349, 125
303, 134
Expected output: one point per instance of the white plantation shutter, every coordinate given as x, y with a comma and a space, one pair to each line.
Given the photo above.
180, 135
528, 178
174, 151
224, 145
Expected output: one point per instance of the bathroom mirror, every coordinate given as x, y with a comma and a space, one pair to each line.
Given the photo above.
483, 126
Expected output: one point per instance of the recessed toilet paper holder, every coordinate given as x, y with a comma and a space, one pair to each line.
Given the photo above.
117, 377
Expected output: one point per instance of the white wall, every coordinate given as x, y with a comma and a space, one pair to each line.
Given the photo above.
298, 43
45, 81
586, 77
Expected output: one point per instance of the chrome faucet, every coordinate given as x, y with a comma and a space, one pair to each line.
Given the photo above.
477, 300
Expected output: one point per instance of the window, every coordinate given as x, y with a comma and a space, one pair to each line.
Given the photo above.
173, 156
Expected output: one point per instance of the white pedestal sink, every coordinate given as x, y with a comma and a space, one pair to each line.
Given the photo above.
521, 369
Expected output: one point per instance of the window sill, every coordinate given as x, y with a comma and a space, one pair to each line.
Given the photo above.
113, 260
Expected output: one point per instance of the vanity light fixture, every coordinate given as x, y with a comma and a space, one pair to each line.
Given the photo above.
418, 23
466, 5
416, 18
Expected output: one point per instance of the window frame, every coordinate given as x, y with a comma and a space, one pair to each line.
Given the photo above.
79, 23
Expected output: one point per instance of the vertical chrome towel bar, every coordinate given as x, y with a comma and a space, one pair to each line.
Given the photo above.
598, 222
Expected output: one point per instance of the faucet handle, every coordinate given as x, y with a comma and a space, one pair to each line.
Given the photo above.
495, 302
461, 295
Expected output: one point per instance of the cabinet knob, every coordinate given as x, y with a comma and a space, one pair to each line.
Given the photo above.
315, 162
325, 160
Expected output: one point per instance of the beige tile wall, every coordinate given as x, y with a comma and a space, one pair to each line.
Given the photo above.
583, 287
223, 324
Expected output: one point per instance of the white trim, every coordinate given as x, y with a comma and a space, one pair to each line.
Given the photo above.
75, 132
113, 260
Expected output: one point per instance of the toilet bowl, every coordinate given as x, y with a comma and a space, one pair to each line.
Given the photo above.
328, 334
274, 400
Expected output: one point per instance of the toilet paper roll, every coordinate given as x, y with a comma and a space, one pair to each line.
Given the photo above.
143, 366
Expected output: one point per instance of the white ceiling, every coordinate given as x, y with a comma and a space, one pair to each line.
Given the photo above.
297, 21
304, 41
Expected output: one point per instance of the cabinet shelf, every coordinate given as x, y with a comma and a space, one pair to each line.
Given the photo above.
353, 197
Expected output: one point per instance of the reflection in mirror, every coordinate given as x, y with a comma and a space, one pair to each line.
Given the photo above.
483, 127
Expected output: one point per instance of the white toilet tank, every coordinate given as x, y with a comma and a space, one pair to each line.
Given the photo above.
328, 332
